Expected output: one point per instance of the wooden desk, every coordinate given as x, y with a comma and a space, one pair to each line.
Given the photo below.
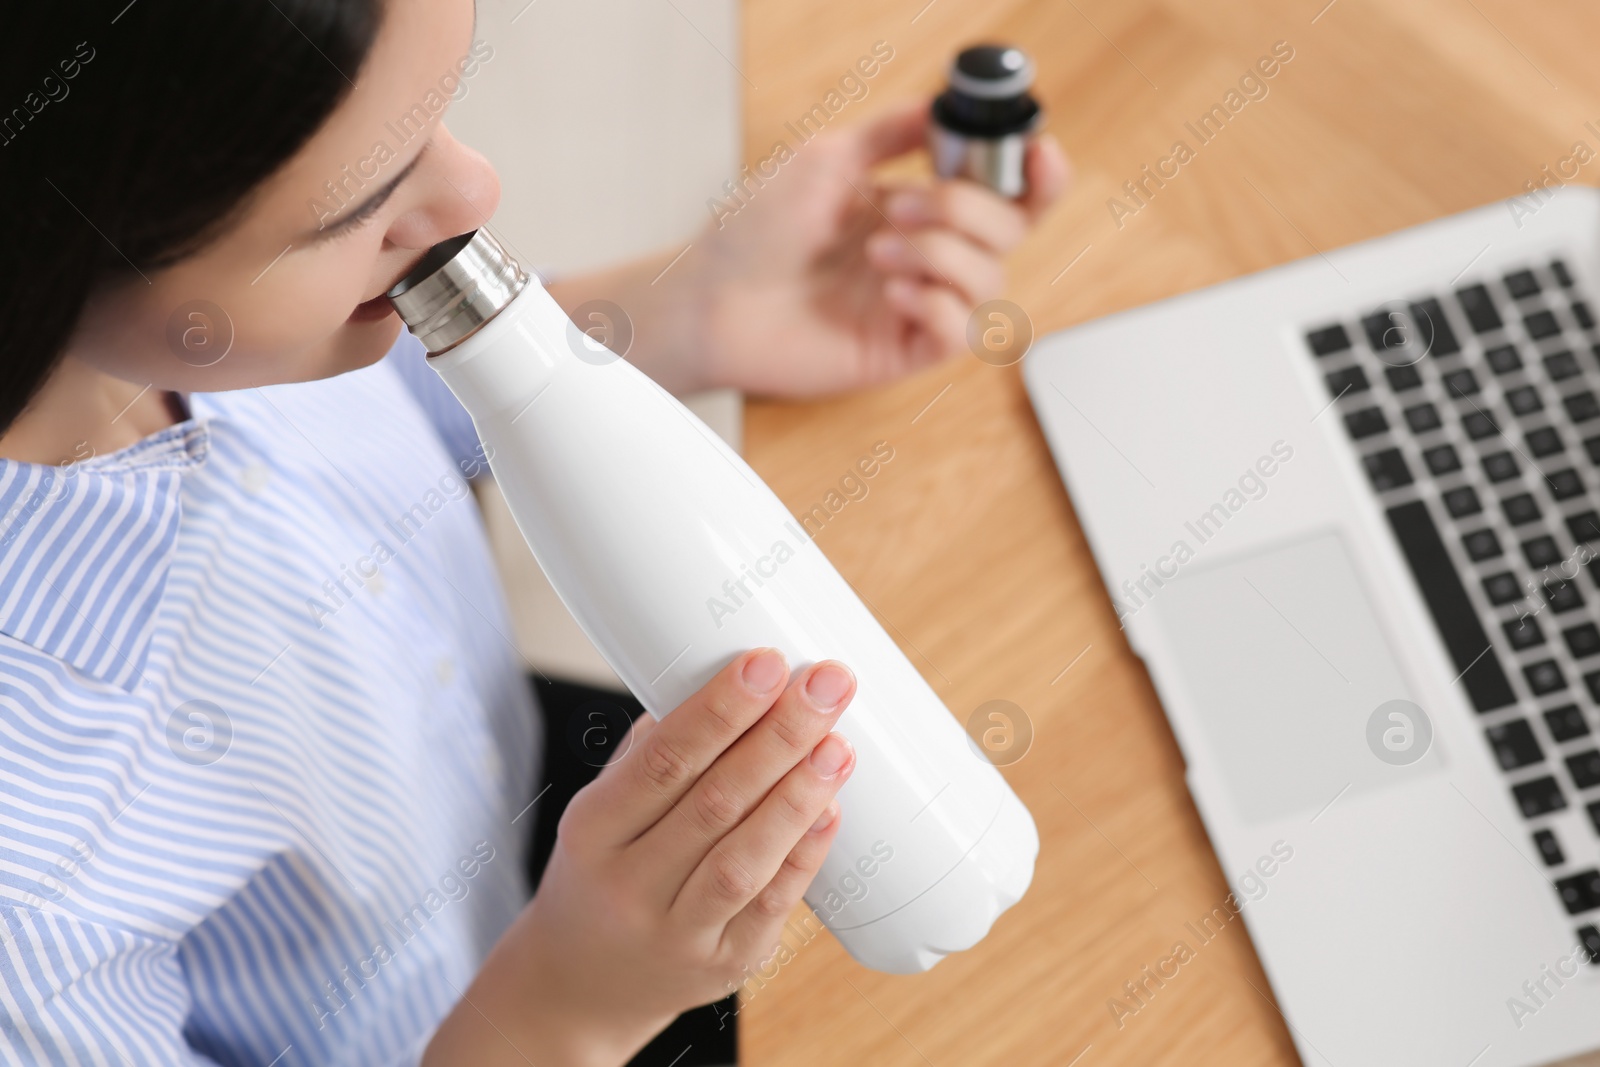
1388, 115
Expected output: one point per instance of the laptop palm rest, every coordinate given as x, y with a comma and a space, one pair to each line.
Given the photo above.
1292, 677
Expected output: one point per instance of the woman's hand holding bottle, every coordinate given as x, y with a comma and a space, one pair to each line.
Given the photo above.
673, 872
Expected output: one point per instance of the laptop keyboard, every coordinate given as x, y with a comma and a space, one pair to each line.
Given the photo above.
1475, 416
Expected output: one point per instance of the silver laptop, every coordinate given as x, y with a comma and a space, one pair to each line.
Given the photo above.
1348, 512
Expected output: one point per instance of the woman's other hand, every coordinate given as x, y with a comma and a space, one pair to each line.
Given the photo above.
825, 280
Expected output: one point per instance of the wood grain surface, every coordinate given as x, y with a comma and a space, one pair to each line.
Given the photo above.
966, 545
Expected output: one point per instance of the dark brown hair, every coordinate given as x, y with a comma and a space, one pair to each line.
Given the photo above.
130, 133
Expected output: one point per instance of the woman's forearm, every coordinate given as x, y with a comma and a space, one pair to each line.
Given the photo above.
663, 309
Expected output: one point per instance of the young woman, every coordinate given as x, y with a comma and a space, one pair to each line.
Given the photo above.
265, 751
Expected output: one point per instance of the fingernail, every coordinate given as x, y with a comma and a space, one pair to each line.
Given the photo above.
907, 207
902, 291
824, 819
762, 672
830, 755
888, 247
827, 686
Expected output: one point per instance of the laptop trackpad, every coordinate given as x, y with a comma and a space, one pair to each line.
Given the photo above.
1288, 667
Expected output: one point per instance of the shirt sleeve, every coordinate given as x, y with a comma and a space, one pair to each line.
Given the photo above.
450, 420
75, 991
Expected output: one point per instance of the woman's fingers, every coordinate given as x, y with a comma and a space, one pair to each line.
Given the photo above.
655, 774
973, 211
979, 214
636, 732
937, 316
1049, 172
940, 256
746, 860
886, 135
739, 781
756, 927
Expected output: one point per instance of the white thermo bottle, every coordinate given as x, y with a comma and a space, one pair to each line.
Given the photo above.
675, 557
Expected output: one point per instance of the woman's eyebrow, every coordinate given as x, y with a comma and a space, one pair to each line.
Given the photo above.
350, 213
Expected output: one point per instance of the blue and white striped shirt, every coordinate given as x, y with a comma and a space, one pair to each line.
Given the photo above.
264, 739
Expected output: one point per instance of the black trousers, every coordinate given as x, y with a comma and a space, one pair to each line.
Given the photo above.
579, 725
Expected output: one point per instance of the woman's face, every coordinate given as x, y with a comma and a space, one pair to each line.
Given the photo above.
292, 291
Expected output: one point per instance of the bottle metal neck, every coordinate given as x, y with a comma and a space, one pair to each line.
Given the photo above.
458, 286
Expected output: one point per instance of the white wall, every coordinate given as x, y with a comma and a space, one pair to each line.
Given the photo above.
611, 122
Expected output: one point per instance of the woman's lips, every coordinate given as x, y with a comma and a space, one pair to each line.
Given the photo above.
378, 307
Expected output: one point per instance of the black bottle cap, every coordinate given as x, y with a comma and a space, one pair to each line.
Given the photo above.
992, 71
988, 95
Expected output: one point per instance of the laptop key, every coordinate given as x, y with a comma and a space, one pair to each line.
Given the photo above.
1423, 418
1591, 445
1479, 307
1562, 595
1561, 365
1433, 329
1563, 276
1479, 425
1365, 423
1585, 769
1453, 613
1524, 400
1387, 469
1540, 551
1502, 588
1582, 315
1564, 484
1539, 797
1544, 678
1581, 407
1580, 892
1594, 815
1500, 467
1403, 379
1541, 324
1462, 502
1549, 848
1584, 527
1385, 330
1523, 632
1461, 383
1582, 640
1520, 509
1442, 459
1514, 744
1566, 723
1503, 359
1521, 284
1589, 938
1544, 441
1328, 340
1349, 380
1481, 545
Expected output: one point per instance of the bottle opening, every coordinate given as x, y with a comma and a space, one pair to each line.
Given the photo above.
436, 257
459, 285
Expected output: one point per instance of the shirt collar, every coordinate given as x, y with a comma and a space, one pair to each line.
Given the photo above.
85, 548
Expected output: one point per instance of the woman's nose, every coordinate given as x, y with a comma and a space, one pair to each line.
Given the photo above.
459, 190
